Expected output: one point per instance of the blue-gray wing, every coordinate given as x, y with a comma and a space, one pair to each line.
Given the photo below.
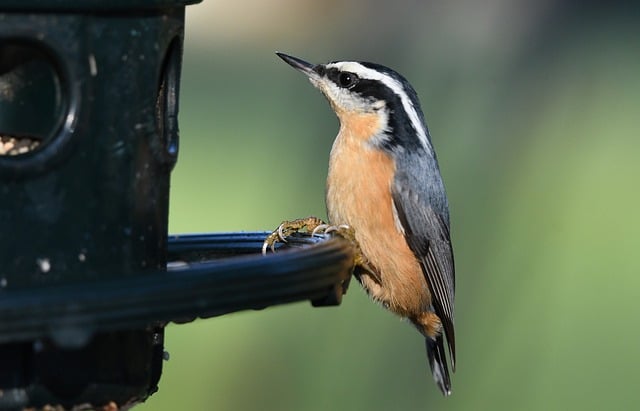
423, 213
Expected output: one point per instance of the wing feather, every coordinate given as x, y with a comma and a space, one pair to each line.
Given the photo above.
427, 234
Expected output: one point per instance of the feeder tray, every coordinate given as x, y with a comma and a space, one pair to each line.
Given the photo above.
208, 275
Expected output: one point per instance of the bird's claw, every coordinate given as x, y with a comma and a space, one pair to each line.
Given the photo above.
281, 236
328, 229
286, 228
348, 233
321, 227
317, 227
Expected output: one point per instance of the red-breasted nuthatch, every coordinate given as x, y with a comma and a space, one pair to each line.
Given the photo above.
384, 183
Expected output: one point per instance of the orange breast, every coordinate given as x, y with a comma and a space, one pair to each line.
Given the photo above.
359, 194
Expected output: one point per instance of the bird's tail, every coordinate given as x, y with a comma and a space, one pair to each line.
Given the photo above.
438, 363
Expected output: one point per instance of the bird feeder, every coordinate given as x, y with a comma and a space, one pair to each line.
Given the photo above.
89, 276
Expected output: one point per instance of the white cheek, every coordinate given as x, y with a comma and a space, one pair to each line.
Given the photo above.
339, 97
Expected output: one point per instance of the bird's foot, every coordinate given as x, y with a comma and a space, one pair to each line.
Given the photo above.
286, 228
348, 233
315, 226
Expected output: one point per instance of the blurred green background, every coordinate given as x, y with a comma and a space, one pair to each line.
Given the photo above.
534, 108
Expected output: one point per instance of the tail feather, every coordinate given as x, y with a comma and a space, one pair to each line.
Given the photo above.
438, 363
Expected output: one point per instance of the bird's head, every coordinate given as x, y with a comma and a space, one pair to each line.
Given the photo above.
360, 91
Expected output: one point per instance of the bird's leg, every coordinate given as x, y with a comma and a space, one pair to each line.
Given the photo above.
286, 228
315, 226
345, 231
348, 233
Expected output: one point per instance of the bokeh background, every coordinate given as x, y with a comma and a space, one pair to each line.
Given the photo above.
534, 108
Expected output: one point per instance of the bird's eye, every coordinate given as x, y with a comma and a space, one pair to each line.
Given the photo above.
347, 80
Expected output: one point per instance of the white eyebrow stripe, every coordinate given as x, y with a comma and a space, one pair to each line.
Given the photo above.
396, 87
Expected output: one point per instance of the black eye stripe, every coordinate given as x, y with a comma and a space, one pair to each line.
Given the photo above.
343, 79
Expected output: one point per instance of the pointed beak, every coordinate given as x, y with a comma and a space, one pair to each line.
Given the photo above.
299, 64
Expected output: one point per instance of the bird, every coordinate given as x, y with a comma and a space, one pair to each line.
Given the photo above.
384, 192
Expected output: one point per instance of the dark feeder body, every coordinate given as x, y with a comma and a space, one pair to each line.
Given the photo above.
88, 275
